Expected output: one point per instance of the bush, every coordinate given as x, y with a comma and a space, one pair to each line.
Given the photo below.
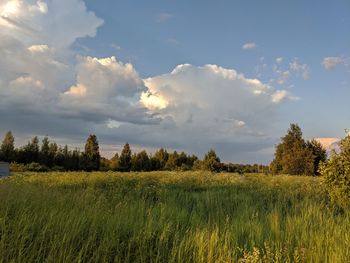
336, 172
17, 167
36, 167
31, 167
58, 168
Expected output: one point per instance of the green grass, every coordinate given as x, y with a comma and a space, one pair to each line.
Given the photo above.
169, 217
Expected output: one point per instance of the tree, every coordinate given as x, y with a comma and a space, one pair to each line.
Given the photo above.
211, 161
53, 148
114, 163
105, 164
336, 175
125, 159
173, 161
7, 150
91, 156
75, 160
292, 155
44, 155
159, 159
140, 162
319, 154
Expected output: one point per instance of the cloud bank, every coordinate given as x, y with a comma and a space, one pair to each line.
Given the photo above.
46, 88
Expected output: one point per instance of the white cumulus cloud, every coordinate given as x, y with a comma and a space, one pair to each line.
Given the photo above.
47, 22
213, 99
105, 89
331, 62
279, 60
249, 45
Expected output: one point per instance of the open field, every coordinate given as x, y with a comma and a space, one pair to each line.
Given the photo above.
169, 217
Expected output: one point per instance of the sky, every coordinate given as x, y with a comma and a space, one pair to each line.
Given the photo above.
184, 75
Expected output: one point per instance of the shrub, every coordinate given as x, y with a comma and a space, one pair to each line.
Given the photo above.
336, 172
17, 167
36, 167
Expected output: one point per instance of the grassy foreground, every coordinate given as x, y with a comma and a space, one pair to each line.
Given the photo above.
168, 217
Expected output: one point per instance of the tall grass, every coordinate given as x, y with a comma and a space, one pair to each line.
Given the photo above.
169, 217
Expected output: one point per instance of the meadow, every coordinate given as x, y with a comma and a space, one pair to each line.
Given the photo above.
169, 217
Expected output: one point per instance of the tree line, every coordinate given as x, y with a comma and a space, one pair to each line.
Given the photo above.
47, 155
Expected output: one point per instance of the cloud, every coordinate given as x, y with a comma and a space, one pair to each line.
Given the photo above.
106, 89
329, 143
283, 77
211, 106
302, 69
330, 63
282, 95
163, 17
173, 41
279, 60
249, 45
115, 46
39, 75
294, 69
30, 76
45, 88
34, 22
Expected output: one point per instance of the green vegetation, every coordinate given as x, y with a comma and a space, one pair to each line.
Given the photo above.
169, 217
51, 157
336, 172
295, 156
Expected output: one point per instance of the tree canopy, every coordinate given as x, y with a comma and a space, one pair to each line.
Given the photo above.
295, 156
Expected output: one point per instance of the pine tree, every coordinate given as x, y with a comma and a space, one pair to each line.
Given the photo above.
7, 149
125, 159
292, 155
53, 148
91, 156
45, 152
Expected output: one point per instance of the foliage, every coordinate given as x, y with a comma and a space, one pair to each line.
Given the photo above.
125, 159
159, 159
55, 157
336, 173
211, 162
168, 217
7, 149
31, 167
294, 156
319, 153
140, 162
244, 168
30, 152
114, 163
91, 156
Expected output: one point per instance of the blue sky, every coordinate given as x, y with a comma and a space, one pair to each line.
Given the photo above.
158, 36
186, 75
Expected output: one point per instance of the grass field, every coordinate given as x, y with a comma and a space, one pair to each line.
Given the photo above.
169, 217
